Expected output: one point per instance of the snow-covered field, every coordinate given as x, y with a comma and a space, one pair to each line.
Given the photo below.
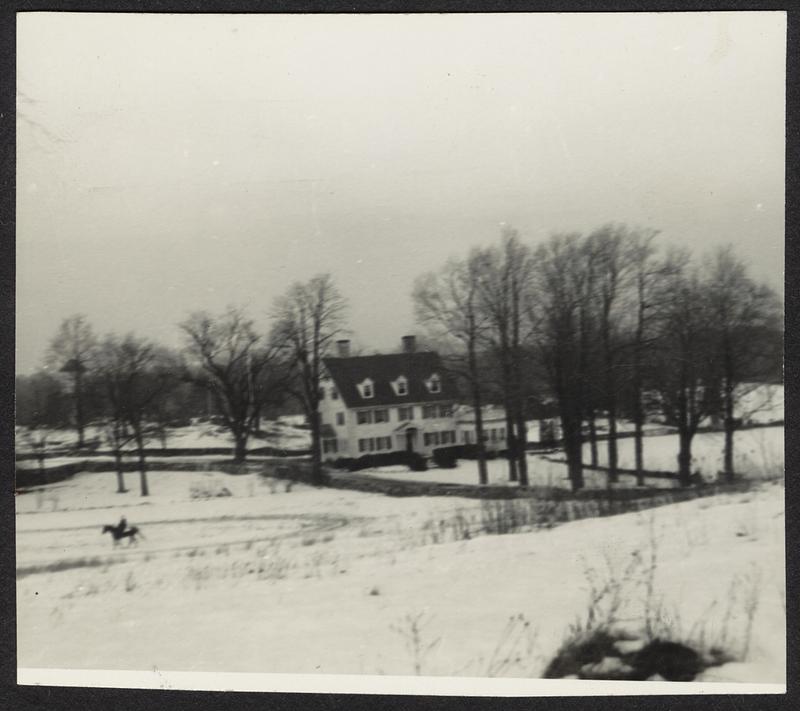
542, 472
336, 582
757, 452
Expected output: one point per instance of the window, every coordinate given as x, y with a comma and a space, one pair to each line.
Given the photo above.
434, 384
434, 439
429, 411
381, 415
400, 385
329, 446
364, 417
365, 388
502, 434
445, 410
374, 444
382, 443
405, 413
334, 394
339, 418
465, 437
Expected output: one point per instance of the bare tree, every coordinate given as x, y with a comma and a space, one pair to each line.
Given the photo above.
70, 352
447, 303
742, 312
39, 401
612, 268
136, 374
239, 367
647, 273
686, 376
561, 291
504, 280
308, 320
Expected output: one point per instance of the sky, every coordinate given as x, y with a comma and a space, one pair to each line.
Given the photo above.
174, 163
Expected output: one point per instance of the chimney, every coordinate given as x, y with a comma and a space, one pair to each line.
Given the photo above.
343, 348
409, 344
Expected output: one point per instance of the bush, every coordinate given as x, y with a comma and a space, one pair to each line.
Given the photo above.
467, 451
379, 459
446, 457
416, 462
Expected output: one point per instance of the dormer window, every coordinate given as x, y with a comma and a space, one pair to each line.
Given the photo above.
366, 389
434, 384
400, 386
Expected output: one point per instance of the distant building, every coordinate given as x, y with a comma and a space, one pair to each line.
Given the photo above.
494, 426
543, 430
382, 403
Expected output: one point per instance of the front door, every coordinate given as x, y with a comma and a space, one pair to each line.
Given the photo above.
411, 436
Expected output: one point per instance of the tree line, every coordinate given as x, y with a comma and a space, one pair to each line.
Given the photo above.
138, 388
593, 328
600, 326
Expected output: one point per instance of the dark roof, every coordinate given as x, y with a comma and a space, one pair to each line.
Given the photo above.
384, 369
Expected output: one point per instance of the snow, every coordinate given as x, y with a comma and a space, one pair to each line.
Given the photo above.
759, 403
756, 451
325, 581
542, 472
198, 435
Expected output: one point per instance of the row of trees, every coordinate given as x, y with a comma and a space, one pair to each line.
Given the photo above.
137, 387
602, 324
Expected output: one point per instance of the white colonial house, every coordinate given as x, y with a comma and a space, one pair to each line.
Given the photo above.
381, 403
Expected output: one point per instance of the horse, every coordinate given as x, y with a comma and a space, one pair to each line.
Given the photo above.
118, 533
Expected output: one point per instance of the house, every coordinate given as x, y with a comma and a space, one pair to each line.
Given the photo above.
381, 403
494, 426
542, 430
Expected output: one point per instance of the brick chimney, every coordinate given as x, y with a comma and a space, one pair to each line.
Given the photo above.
343, 348
409, 344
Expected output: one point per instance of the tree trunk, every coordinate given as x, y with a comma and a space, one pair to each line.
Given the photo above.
573, 448
730, 427
316, 448
522, 447
574, 459
145, 491
120, 474
613, 474
611, 405
638, 445
510, 445
240, 446
638, 429
593, 439
483, 474
638, 406
685, 456
79, 406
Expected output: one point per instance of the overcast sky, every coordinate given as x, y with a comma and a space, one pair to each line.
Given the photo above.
174, 163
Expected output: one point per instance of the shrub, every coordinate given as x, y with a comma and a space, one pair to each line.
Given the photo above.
446, 457
382, 459
416, 462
